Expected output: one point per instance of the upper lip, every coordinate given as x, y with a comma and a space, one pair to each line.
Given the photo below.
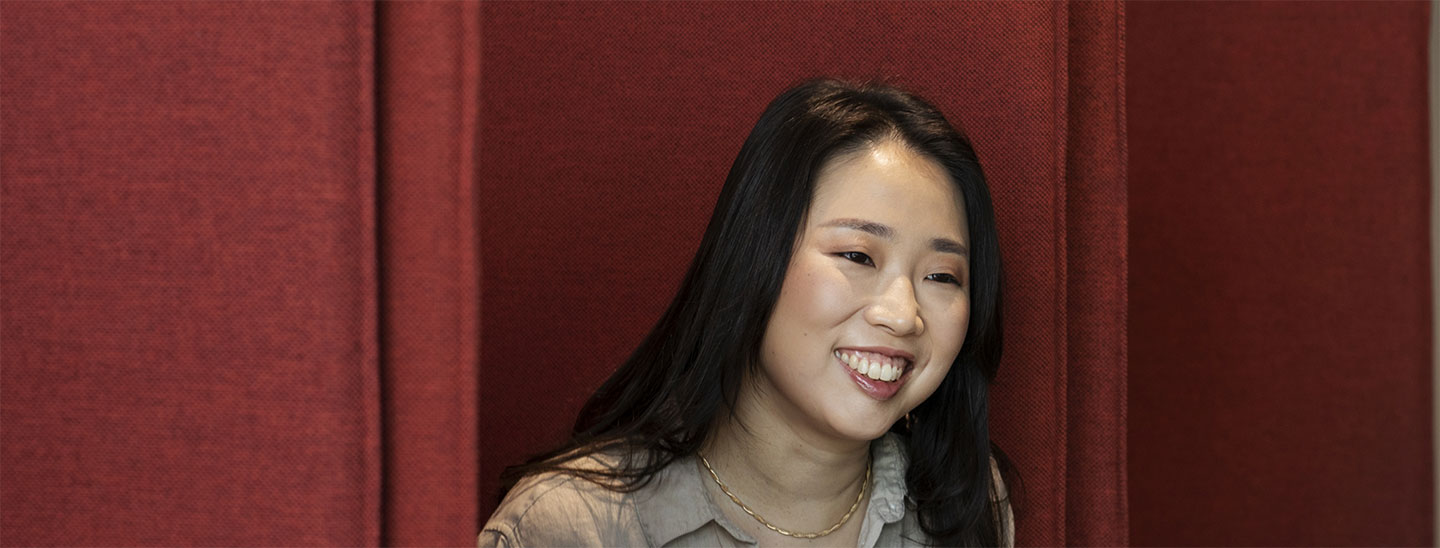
892, 352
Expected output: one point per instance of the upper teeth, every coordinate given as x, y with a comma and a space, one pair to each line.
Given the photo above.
876, 366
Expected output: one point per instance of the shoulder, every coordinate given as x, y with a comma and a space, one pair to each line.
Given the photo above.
564, 509
1000, 495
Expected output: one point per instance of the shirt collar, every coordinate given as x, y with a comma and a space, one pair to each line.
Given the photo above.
887, 501
675, 502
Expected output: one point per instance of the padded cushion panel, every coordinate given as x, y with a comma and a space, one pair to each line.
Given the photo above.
1280, 274
188, 282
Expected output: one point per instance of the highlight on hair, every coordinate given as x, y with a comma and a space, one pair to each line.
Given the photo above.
662, 401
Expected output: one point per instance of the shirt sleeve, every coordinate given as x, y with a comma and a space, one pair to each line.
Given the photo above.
562, 510
492, 538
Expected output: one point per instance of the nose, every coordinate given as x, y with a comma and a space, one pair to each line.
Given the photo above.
895, 309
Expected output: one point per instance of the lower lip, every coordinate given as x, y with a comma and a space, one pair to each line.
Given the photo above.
877, 389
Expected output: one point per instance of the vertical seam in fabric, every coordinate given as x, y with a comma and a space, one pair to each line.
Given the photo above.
457, 189
467, 269
1122, 501
476, 248
367, 177
457, 206
1434, 66
1060, 126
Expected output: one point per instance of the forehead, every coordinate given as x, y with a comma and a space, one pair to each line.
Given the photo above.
890, 184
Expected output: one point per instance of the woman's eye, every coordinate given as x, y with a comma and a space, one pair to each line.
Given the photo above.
944, 278
858, 257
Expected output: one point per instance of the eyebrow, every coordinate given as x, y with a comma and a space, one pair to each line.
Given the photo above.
942, 245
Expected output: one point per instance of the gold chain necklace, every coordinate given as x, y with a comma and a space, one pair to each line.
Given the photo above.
767, 524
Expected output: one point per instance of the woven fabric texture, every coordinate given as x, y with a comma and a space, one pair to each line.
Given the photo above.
1095, 274
427, 118
1280, 380
187, 280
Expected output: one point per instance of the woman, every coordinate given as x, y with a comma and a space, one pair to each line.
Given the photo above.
821, 377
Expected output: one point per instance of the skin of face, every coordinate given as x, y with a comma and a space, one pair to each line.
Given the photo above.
847, 287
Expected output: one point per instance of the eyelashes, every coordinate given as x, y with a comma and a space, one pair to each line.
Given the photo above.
944, 278
857, 257
863, 259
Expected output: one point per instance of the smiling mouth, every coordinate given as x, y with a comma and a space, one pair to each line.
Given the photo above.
877, 366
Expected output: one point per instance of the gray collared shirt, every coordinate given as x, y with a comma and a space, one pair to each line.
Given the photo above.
674, 509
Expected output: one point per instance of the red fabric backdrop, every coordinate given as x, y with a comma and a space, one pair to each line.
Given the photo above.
241, 252
241, 262
428, 78
187, 281
213, 334
607, 129
1280, 316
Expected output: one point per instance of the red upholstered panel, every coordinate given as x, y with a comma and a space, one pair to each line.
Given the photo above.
1096, 511
608, 128
1280, 323
428, 61
188, 280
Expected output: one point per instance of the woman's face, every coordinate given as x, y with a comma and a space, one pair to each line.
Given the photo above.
878, 281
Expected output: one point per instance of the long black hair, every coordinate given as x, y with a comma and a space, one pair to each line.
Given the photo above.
662, 402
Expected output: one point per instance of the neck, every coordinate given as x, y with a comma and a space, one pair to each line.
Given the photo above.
765, 456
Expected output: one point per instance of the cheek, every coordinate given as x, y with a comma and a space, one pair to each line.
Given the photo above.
813, 298
948, 332
815, 295
962, 316
948, 326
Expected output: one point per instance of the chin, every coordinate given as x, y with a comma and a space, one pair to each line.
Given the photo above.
864, 430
